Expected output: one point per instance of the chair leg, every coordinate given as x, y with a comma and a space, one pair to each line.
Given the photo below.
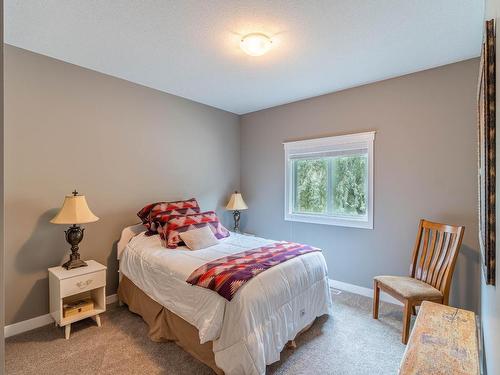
376, 298
406, 321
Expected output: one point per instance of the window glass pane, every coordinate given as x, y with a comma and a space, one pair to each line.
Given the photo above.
311, 181
350, 185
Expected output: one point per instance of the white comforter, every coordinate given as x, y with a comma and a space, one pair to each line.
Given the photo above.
250, 331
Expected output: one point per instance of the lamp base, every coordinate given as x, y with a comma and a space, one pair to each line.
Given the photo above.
74, 235
236, 216
74, 263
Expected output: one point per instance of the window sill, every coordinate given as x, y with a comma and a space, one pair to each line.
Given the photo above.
336, 221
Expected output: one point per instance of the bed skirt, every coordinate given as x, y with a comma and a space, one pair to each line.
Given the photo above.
164, 325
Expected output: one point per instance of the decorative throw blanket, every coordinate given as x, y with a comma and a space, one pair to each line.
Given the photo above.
228, 274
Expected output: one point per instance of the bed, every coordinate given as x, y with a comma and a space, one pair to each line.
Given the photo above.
237, 337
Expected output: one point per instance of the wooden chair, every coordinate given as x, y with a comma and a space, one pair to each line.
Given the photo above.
434, 257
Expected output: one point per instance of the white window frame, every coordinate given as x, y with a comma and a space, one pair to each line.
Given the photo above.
320, 145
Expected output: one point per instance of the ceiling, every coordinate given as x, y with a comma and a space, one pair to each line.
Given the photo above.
190, 48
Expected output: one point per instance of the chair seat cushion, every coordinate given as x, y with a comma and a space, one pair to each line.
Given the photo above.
409, 288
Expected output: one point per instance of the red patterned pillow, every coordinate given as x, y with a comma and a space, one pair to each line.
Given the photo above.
152, 209
161, 219
179, 224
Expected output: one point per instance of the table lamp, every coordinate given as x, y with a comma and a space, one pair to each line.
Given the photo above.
236, 204
74, 211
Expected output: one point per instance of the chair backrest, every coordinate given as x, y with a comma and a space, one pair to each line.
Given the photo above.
435, 254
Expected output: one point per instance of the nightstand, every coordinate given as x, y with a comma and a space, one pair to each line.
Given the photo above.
68, 286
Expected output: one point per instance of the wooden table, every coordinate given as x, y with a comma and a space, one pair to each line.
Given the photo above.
67, 286
443, 341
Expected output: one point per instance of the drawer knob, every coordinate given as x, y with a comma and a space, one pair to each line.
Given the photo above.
83, 284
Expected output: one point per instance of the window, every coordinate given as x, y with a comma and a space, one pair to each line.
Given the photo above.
330, 180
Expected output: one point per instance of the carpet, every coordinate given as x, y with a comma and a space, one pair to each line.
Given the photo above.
347, 342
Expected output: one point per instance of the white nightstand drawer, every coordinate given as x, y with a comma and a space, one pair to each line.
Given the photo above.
83, 283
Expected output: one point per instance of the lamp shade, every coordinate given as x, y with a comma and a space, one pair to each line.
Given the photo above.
74, 211
236, 202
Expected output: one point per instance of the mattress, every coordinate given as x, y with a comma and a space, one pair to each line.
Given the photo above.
250, 331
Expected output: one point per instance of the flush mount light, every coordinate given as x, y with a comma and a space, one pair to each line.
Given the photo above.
256, 44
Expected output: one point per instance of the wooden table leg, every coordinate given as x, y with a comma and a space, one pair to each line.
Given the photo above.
67, 331
97, 319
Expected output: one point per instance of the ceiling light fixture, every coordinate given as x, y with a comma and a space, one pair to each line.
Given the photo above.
256, 44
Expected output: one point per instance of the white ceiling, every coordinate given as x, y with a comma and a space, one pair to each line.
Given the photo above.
190, 48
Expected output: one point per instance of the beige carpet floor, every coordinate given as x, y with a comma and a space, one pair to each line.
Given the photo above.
348, 342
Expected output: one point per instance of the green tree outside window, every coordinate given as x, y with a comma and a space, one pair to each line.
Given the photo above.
311, 185
349, 185
331, 185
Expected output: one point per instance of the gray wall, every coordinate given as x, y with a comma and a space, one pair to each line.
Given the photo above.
425, 167
123, 145
490, 295
120, 144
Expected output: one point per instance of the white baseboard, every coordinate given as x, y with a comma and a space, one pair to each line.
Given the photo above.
27, 325
111, 299
40, 321
367, 292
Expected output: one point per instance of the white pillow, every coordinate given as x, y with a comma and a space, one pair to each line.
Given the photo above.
199, 238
